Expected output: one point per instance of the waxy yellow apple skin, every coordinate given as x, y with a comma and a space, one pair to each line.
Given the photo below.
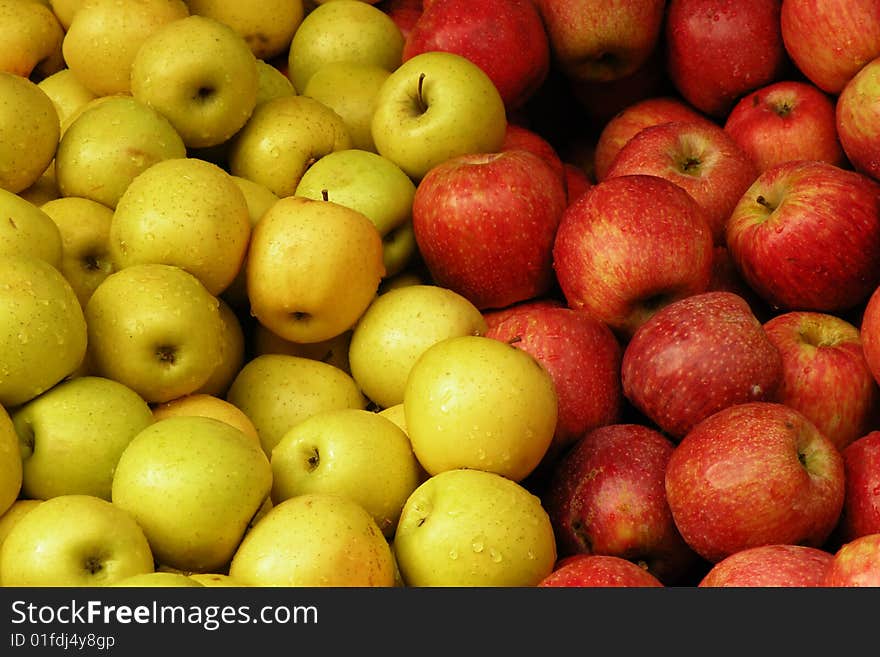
11, 473
28, 231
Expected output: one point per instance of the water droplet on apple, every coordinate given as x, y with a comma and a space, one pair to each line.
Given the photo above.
477, 545
453, 554
495, 555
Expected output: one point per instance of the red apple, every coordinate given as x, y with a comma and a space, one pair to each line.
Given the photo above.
699, 157
602, 40
719, 50
861, 505
519, 136
505, 38
787, 120
404, 13
697, 356
582, 356
607, 496
806, 236
629, 246
858, 119
770, 566
726, 278
856, 563
598, 571
830, 40
485, 225
869, 330
577, 181
752, 474
632, 119
824, 373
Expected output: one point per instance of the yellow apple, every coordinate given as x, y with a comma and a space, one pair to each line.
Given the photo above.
473, 528
476, 402
30, 39
11, 471
67, 93
397, 328
27, 230
313, 267
65, 10
29, 132
232, 353
208, 406
160, 579
215, 579
396, 414
44, 189
316, 539
272, 83
333, 351
193, 483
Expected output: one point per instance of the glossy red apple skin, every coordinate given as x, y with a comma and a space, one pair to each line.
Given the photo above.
634, 118
599, 571
786, 120
505, 38
696, 357
519, 136
719, 50
824, 373
699, 157
485, 225
752, 474
582, 356
404, 13
630, 245
606, 495
861, 506
770, 566
830, 40
806, 236
858, 119
577, 181
869, 332
856, 563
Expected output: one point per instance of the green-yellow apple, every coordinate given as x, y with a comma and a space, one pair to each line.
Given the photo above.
44, 189
397, 328
473, 528
85, 240
315, 539
397, 415
74, 540
109, 144
333, 351
350, 90
160, 579
215, 579
475, 402
65, 10
193, 483
343, 31
201, 75
149, 227
67, 93
272, 83
11, 470
42, 329
232, 353
199, 403
373, 185
30, 39
29, 132
352, 452
282, 138
19, 509
104, 36
278, 390
313, 267
27, 230
267, 26
435, 106
72, 435
156, 329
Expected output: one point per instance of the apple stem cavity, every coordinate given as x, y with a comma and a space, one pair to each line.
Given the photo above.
760, 200
166, 354
423, 106
93, 565
314, 460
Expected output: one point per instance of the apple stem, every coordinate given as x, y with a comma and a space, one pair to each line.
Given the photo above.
422, 106
515, 339
325, 195
760, 200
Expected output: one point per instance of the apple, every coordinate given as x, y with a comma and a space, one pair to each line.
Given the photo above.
436, 106
718, 51
606, 495
29, 132
757, 473
469, 527
514, 200
16, 511
201, 75
770, 566
824, 373
43, 335
206, 405
10, 463
74, 540
869, 332
577, 180
599, 571
271, 83
786, 120
352, 452
333, 351
856, 563
830, 41
315, 539
629, 246
699, 157
727, 278
396, 329
520, 137
233, 352
857, 115
602, 40
214, 579
156, 329
160, 579
30, 39
278, 390
861, 505
806, 236
582, 356
66, 92
193, 483
28, 231
516, 56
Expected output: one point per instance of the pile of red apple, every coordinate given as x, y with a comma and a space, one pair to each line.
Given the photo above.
612, 268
